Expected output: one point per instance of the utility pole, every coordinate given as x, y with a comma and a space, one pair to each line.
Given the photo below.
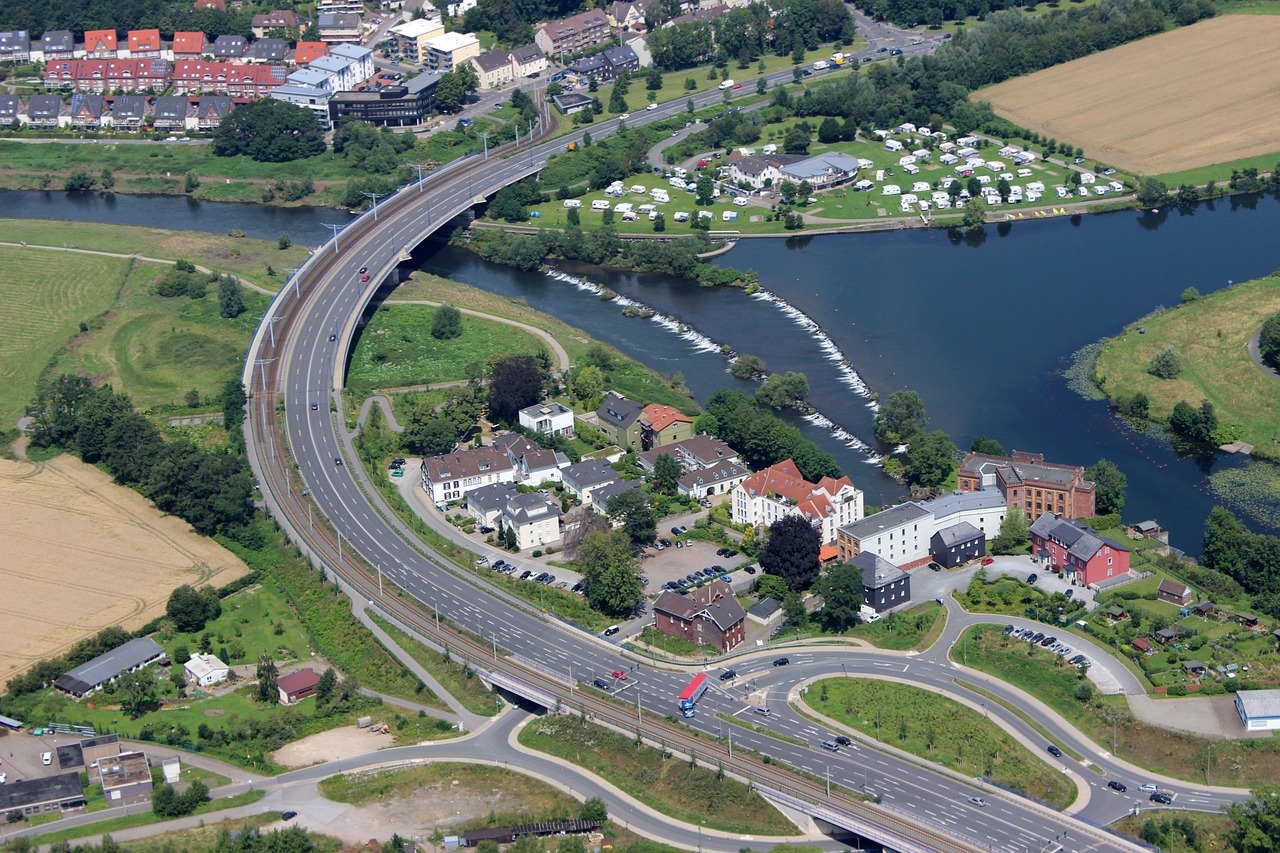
261, 364
484, 136
375, 197
335, 229
293, 279
420, 167
271, 327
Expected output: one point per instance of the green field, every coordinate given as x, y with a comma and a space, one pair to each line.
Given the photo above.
1211, 333
396, 348
941, 730
914, 628
458, 679
1221, 172
46, 298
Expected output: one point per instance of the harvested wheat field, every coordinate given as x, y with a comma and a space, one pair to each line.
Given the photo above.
1193, 97
79, 553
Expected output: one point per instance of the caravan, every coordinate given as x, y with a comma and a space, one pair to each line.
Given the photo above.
599, 204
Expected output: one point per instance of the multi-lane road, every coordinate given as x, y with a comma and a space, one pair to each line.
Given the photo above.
298, 360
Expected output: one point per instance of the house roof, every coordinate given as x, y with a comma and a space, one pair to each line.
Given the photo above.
10, 106
94, 106
1079, 540
351, 52
294, 682
467, 463
619, 56
211, 4
491, 61
957, 502
492, 497
338, 21
550, 408
171, 107
14, 41
219, 105
1194, 664
1167, 633
1257, 704
22, 793
1172, 587
415, 85
1147, 527
1021, 468
312, 76
531, 506
877, 572
570, 100
959, 534
228, 44
144, 40
44, 106
309, 51
276, 18
574, 24
107, 666
129, 106
1141, 645
127, 768
765, 608
609, 491
682, 607
618, 412
821, 166
588, 64
753, 166
658, 417
717, 473
202, 665
589, 473
190, 42
416, 28
887, 519
99, 40
270, 49
449, 42
57, 40
1116, 611
527, 53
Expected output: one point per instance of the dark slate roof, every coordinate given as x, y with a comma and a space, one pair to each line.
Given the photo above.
588, 64
765, 608
10, 106
876, 572
717, 473
44, 106
493, 60
570, 101
604, 494
70, 756
492, 497
679, 606
47, 789
271, 49
129, 106
531, 506
94, 105
958, 534
58, 40
227, 45
1079, 540
619, 412
171, 108
527, 53
415, 85
590, 472
107, 666
726, 613
219, 104
14, 41
619, 56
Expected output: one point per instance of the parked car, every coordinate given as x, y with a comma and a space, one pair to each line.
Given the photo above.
611, 630
1032, 578
934, 567
986, 561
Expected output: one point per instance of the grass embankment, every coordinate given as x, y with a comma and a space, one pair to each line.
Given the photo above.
1178, 831
1211, 333
206, 838
914, 628
675, 646
459, 680
938, 729
1239, 763
116, 824
669, 785
396, 348
46, 298
514, 798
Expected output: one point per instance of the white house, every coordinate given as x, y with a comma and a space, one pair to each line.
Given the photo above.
204, 670
450, 476
984, 509
535, 517
551, 418
780, 490
899, 534
1259, 709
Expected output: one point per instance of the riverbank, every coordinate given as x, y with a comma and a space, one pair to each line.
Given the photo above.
1212, 333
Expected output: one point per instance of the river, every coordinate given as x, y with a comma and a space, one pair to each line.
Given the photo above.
980, 328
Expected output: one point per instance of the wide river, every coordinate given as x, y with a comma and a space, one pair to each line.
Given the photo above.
981, 329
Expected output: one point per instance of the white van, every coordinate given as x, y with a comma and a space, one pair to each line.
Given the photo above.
599, 204
46, 759
726, 84
572, 202
740, 201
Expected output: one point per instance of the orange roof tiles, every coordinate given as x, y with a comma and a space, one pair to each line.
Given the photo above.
309, 51
660, 417
99, 40
144, 40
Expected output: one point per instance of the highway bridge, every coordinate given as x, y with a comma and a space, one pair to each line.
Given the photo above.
294, 374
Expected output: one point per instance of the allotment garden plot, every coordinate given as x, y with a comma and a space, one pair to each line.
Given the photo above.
1193, 97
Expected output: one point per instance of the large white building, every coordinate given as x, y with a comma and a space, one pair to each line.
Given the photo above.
535, 517
551, 418
411, 37
778, 491
899, 534
1259, 710
985, 510
450, 476
449, 51
205, 670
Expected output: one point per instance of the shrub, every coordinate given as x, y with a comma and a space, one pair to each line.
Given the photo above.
1166, 364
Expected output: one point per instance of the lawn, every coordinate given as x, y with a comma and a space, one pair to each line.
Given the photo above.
47, 299
941, 730
158, 349
204, 838
666, 784
1221, 172
396, 348
254, 621
514, 797
915, 628
1211, 333
1178, 831
456, 678
674, 646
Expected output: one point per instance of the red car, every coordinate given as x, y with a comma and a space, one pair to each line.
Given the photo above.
986, 561
364, 277
620, 675
737, 85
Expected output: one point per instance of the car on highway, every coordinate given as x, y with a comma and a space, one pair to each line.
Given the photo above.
333, 337
620, 675
1148, 788
363, 270
1054, 751
882, 50
601, 684
728, 674
1117, 786
364, 277
652, 107
979, 802
337, 460
842, 740
830, 746
314, 406
1162, 798
737, 85
897, 51
624, 115
781, 661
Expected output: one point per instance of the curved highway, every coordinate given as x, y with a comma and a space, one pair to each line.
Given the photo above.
294, 371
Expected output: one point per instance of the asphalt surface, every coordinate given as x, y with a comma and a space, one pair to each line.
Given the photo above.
311, 364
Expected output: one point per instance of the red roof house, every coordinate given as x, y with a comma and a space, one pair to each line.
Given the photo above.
662, 425
297, 686
188, 45
144, 43
308, 51
100, 44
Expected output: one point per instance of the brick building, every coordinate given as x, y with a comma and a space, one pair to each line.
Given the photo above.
1026, 480
1076, 551
707, 615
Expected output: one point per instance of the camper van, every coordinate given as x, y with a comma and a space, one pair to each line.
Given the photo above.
892, 145
680, 216
660, 196
599, 204
572, 202
729, 216
629, 216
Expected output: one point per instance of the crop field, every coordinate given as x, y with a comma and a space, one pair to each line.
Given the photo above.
1192, 97
79, 553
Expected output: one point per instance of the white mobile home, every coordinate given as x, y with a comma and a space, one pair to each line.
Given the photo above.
892, 145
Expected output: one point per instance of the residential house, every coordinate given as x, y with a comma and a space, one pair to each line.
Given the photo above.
306, 52
188, 45
350, 6
339, 26
170, 112
1142, 645
133, 655
957, 544
620, 59
619, 419
527, 61
46, 112
55, 44
228, 48
637, 42
663, 425
41, 795
568, 103
1076, 551
822, 171
884, 585
588, 67
493, 69
626, 16
699, 451
308, 97
1174, 592
767, 611
145, 44
450, 476
296, 686
601, 497
15, 46
778, 491
227, 78
550, 418
100, 44
984, 510
707, 615
410, 39
533, 464
105, 75
398, 105
716, 479
535, 518
1259, 710
126, 779
449, 51
574, 34
358, 64
1026, 480
205, 670
277, 19
88, 112
211, 110
585, 477
900, 534
128, 112
268, 50
10, 109
707, 11
486, 503
755, 172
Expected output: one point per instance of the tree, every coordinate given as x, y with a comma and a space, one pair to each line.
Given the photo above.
1226, 540
233, 402
747, 366
269, 131
666, 474
1152, 192
610, 572
326, 686
230, 300
1269, 341
705, 188
1165, 364
1110, 483
841, 591
792, 552
762, 86
1256, 821
975, 214
829, 131
594, 809
181, 654
1182, 420
771, 586
107, 180
268, 691
1013, 532
587, 381
796, 140
932, 458
447, 323
635, 514
900, 417
653, 79
515, 382
137, 690
989, 446
190, 608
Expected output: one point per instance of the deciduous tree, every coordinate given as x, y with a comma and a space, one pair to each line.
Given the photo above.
268, 691
635, 514
269, 131
447, 323
900, 417
792, 552
610, 572
666, 474
1110, 483
932, 458
841, 591
515, 382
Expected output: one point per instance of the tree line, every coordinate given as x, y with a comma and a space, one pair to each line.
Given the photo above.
762, 437
747, 33
1252, 559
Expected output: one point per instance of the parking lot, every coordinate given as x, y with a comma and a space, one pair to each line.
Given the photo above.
671, 564
20, 755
